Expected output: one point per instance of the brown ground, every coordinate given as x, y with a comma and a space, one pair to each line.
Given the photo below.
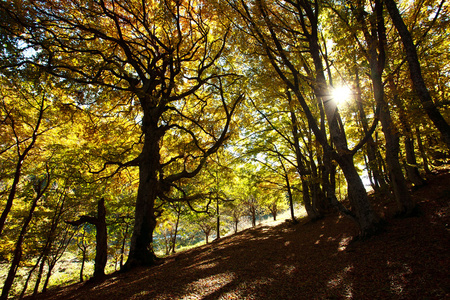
410, 260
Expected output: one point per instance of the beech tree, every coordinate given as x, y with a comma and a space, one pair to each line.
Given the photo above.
137, 102
416, 71
277, 34
375, 37
165, 59
101, 236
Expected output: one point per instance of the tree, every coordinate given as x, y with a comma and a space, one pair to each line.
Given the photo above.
25, 133
101, 237
416, 71
277, 32
375, 37
164, 58
40, 185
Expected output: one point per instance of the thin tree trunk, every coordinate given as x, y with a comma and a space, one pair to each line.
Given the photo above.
380, 183
301, 169
422, 152
25, 286
218, 219
17, 257
253, 212
122, 249
291, 198
174, 240
416, 72
274, 212
47, 278
40, 272
83, 260
411, 163
56, 255
20, 161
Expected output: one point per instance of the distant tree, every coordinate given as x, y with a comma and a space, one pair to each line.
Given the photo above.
101, 249
206, 222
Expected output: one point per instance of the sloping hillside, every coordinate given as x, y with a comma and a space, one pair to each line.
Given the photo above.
410, 260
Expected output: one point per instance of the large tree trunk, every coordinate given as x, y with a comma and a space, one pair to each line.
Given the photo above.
141, 251
416, 72
367, 219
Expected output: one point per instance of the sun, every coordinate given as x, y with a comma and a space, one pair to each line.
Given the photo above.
341, 94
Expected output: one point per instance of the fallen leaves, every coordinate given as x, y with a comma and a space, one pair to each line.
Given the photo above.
409, 261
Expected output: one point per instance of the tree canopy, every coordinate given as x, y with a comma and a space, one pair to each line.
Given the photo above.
188, 112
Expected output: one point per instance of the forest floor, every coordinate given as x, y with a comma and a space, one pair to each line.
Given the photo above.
309, 260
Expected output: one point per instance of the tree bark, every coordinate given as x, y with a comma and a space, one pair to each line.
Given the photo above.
422, 152
217, 218
416, 72
122, 248
141, 251
20, 160
174, 239
379, 182
312, 213
101, 248
17, 256
376, 57
412, 171
368, 221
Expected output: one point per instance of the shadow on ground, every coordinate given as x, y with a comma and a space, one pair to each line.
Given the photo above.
410, 260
